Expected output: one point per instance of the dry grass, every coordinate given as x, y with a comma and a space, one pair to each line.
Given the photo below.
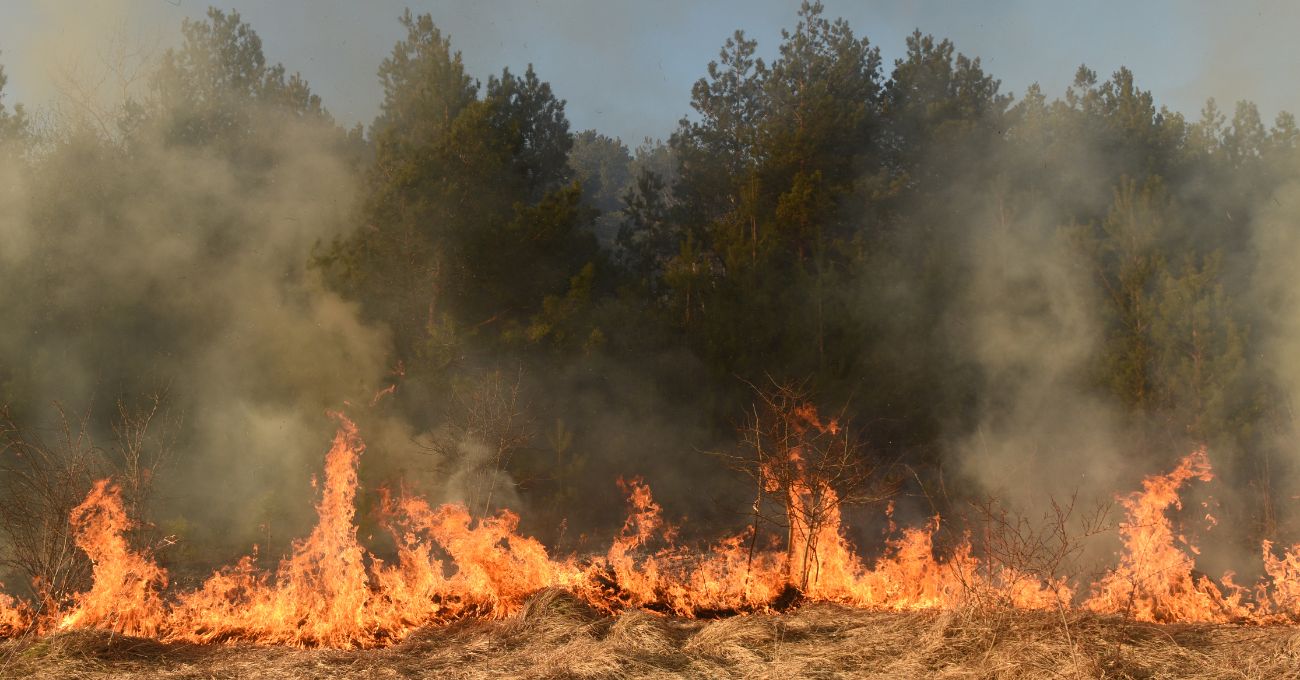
558, 637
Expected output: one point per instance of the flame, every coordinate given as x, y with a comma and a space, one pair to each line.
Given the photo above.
496, 569
126, 593
15, 616
1153, 580
320, 594
1284, 579
331, 591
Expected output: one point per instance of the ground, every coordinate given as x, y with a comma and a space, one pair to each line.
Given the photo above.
558, 637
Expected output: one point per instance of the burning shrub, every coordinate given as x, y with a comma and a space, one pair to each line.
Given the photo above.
806, 466
44, 482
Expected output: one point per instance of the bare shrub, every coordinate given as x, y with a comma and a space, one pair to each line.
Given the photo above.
142, 444
1018, 551
486, 413
44, 476
805, 466
1046, 550
43, 480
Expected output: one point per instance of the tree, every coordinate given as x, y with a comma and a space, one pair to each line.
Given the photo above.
939, 100
602, 165
808, 467
1199, 357
217, 89
648, 238
1127, 263
13, 124
767, 197
820, 128
472, 219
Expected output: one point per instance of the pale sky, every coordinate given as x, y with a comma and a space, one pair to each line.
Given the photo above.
626, 68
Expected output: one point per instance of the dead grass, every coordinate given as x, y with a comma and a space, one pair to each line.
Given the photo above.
556, 636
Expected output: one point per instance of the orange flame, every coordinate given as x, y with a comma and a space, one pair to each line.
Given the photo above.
320, 593
125, 597
15, 616
1153, 580
330, 591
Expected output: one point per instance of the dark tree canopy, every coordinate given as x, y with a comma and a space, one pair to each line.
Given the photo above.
967, 272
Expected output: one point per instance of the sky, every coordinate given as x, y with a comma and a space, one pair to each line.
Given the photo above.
626, 68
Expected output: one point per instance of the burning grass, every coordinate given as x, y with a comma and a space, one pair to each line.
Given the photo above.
471, 597
558, 635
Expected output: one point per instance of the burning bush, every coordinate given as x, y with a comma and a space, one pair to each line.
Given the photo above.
46, 483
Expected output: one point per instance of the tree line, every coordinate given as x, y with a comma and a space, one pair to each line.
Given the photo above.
934, 258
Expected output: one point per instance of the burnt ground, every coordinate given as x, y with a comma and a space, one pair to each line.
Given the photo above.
559, 637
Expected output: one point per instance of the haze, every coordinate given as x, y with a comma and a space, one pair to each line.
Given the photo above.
626, 68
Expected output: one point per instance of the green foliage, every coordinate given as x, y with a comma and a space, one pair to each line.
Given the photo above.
603, 166
823, 218
473, 220
1128, 263
13, 124
1200, 353
217, 89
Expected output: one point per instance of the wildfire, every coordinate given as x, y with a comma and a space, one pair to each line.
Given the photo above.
331, 591
1153, 580
125, 597
320, 594
14, 616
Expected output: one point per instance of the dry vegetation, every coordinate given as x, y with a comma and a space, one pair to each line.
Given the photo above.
43, 478
557, 636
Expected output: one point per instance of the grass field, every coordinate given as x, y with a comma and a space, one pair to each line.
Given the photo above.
556, 636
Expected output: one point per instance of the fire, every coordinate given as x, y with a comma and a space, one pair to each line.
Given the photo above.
496, 568
126, 595
640, 582
331, 591
320, 594
1284, 579
15, 617
1153, 580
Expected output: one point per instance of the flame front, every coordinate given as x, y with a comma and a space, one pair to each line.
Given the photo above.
320, 594
126, 595
330, 591
1153, 580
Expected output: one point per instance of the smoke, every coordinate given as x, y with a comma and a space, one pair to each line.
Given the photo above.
154, 246
1029, 324
1022, 329
1229, 71
989, 306
998, 308
1276, 298
137, 261
133, 264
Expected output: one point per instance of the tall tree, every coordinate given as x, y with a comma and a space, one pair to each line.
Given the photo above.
472, 218
217, 88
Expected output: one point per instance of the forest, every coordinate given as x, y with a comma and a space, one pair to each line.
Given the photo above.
997, 302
